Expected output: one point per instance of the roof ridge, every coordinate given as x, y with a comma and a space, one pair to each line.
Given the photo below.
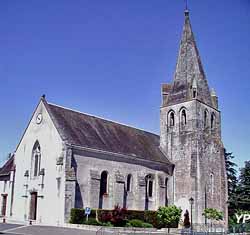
4, 162
94, 116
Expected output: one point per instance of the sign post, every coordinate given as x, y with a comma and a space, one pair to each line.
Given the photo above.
87, 212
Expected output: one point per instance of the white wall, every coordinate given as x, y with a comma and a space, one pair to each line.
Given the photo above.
50, 208
5, 188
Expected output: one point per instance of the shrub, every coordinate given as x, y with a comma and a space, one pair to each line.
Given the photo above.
134, 214
104, 215
212, 214
118, 218
147, 225
92, 221
76, 216
136, 223
151, 218
108, 224
169, 216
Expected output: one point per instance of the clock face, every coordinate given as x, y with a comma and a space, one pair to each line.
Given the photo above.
39, 118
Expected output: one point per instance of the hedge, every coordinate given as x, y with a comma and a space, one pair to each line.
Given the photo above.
77, 216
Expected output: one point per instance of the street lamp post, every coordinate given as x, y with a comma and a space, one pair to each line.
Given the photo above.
191, 201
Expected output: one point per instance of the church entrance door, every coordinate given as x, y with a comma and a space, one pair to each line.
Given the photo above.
4, 203
33, 205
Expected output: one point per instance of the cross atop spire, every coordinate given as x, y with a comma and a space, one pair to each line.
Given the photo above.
189, 71
186, 8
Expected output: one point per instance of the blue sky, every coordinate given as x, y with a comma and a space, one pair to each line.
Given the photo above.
109, 58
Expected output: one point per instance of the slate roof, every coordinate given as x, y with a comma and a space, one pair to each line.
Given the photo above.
96, 133
189, 70
7, 167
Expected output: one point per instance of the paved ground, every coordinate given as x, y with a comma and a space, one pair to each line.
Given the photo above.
14, 229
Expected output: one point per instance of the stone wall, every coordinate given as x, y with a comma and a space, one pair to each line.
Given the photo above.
196, 151
88, 176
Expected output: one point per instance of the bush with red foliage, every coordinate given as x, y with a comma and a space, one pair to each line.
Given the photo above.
119, 216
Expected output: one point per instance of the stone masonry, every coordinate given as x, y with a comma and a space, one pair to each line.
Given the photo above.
191, 134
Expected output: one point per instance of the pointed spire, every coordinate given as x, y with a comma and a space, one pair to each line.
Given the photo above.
189, 70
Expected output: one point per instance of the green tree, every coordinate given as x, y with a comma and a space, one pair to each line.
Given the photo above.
232, 181
212, 214
244, 187
169, 216
231, 172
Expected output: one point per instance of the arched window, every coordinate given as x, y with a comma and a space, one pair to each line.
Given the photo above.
166, 192
171, 119
150, 185
205, 118
104, 183
129, 183
212, 120
194, 93
150, 188
36, 159
183, 117
212, 183
194, 89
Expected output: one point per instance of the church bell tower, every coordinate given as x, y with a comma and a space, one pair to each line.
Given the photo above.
191, 134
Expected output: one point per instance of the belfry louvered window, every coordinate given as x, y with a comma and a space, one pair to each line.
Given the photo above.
171, 119
205, 118
183, 117
212, 120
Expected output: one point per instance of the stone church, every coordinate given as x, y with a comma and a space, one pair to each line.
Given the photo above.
68, 159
